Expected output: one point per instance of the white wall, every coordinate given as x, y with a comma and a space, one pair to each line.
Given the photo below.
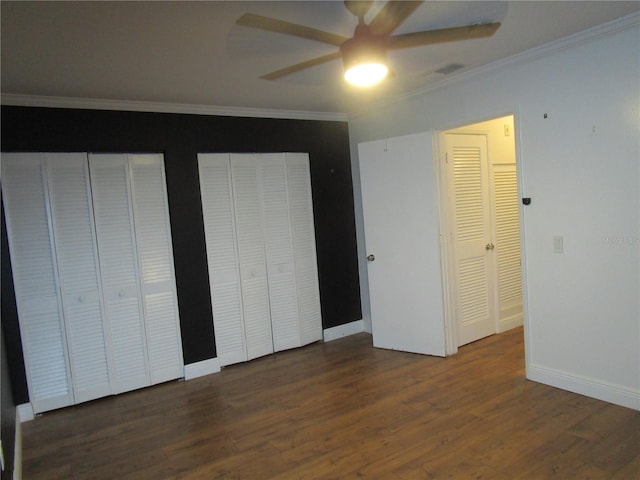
580, 166
501, 147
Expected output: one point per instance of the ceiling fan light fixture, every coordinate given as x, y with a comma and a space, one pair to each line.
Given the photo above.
365, 61
364, 54
366, 74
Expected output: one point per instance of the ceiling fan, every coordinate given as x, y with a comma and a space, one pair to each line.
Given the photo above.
364, 54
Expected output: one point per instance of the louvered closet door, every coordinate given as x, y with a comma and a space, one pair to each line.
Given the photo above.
155, 255
35, 281
118, 266
467, 168
279, 251
253, 272
507, 232
222, 257
304, 247
75, 242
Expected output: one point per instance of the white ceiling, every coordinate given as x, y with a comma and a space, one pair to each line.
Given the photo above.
193, 53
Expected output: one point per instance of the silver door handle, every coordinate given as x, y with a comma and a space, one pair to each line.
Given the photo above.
371, 258
489, 246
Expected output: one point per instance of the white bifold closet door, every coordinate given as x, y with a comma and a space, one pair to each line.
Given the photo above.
155, 255
222, 257
35, 278
79, 277
253, 269
261, 253
304, 247
102, 240
118, 261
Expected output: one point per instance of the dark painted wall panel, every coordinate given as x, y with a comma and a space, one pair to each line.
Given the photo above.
8, 426
7, 399
181, 137
10, 329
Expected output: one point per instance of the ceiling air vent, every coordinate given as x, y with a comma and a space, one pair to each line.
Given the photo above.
452, 67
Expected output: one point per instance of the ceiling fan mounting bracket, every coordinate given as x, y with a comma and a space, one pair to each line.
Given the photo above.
359, 8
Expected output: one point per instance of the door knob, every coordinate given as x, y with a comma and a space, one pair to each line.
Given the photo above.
371, 258
489, 246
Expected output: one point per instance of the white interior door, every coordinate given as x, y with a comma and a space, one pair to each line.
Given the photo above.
401, 232
222, 256
258, 219
74, 234
506, 219
35, 276
118, 260
155, 256
469, 201
304, 247
278, 251
253, 269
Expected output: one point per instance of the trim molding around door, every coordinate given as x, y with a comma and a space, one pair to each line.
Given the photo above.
450, 327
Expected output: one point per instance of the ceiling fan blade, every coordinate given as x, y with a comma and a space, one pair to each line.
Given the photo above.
287, 28
391, 16
453, 34
301, 66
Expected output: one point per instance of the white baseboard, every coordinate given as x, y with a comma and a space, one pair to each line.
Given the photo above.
615, 394
509, 323
200, 369
24, 412
345, 330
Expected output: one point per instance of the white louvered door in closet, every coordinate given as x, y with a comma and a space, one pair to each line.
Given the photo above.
136, 260
111, 320
278, 246
253, 270
35, 276
261, 253
222, 257
118, 261
155, 254
470, 200
304, 247
507, 234
79, 279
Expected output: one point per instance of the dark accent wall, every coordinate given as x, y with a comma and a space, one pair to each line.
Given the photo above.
180, 138
8, 405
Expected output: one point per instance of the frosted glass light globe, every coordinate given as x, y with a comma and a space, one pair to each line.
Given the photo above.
366, 74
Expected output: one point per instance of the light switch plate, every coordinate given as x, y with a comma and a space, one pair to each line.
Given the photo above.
558, 244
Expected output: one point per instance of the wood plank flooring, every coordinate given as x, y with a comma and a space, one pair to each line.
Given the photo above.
344, 410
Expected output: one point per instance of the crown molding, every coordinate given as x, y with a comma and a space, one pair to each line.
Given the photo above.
585, 36
12, 99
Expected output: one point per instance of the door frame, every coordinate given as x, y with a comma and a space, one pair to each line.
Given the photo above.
449, 291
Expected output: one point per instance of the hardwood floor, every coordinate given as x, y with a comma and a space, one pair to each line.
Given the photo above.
344, 410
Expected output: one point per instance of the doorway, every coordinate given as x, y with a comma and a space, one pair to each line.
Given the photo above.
482, 276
